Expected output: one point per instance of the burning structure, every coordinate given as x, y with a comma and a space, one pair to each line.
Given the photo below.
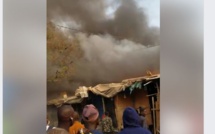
86, 47
115, 97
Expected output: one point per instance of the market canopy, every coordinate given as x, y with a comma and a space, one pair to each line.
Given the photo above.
106, 90
110, 90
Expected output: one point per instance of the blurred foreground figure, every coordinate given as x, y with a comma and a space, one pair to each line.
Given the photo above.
91, 120
131, 123
65, 117
107, 125
48, 127
76, 126
143, 117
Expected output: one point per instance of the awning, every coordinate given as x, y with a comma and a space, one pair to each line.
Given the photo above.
108, 90
69, 100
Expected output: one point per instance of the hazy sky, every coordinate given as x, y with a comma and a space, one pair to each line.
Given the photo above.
151, 7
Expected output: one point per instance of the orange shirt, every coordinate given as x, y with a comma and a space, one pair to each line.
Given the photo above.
75, 127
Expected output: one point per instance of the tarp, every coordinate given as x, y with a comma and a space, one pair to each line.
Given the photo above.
82, 92
70, 100
145, 78
108, 90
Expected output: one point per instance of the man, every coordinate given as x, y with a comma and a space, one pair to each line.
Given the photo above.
91, 119
48, 127
77, 126
131, 123
143, 120
107, 126
65, 116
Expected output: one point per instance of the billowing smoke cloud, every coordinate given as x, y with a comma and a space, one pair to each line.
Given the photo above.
128, 22
114, 48
111, 60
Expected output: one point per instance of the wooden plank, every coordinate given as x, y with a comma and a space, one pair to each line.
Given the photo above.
103, 104
158, 131
154, 124
121, 103
157, 115
151, 95
155, 109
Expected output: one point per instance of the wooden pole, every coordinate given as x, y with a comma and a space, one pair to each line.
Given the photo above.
153, 107
103, 102
158, 91
158, 107
158, 131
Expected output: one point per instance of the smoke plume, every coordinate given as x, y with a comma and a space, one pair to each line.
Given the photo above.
114, 47
128, 21
109, 60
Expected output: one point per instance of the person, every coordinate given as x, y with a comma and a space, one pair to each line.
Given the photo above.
131, 123
107, 125
77, 126
65, 117
99, 126
48, 126
91, 119
143, 121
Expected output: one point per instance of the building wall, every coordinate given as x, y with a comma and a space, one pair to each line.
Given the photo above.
136, 99
121, 102
141, 99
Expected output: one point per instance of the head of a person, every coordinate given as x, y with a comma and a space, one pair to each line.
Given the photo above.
76, 116
65, 115
106, 113
130, 118
142, 111
90, 116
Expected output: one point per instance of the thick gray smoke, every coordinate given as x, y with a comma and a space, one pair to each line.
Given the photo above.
111, 60
115, 48
128, 21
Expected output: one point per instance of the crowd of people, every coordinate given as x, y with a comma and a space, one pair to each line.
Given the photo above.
69, 122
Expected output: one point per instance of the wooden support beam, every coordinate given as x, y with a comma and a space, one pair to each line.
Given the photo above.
153, 107
103, 102
158, 131
151, 95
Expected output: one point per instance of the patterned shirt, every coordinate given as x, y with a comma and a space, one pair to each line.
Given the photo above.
107, 124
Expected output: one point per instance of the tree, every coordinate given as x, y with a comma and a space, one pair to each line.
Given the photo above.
62, 53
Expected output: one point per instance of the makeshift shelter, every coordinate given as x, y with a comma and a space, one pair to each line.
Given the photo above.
115, 97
